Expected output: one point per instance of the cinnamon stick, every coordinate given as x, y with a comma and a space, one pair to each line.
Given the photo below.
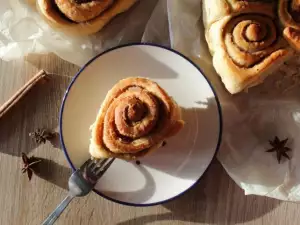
22, 92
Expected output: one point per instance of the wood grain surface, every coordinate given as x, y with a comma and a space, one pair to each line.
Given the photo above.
216, 199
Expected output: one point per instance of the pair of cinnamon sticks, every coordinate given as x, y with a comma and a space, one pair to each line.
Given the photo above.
42, 75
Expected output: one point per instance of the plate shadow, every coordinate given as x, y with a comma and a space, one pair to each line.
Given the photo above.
141, 195
193, 142
216, 199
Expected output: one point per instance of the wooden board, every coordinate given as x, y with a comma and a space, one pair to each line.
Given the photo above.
216, 199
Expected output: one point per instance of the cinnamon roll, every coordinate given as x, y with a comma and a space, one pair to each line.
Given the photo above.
289, 14
135, 118
246, 47
81, 17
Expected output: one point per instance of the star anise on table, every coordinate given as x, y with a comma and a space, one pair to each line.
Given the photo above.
28, 165
280, 148
41, 135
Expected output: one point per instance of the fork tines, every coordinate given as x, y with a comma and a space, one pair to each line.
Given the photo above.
103, 166
97, 166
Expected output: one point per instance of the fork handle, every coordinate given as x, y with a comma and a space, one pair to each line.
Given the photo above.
58, 211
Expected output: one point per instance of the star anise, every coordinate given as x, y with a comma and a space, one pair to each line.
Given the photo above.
28, 165
41, 135
280, 148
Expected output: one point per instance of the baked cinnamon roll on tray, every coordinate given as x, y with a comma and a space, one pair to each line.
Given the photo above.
250, 39
147, 103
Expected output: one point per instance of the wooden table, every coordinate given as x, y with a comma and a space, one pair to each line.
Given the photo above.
215, 200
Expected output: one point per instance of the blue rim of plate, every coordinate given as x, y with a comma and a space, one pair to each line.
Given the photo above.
140, 44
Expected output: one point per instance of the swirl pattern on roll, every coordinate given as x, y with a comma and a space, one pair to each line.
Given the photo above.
81, 17
82, 10
289, 14
136, 116
246, 48
249, 39
244, 40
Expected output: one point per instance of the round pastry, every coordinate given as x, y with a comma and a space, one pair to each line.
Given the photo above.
82, 17
135, 118
246, 46
250, 50
289, 14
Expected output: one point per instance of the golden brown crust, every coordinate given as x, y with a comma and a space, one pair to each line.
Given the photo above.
82, 12
289, 14
246, 45
56, 20
251, 48
136, 116
214, 10
250, 6
293, 37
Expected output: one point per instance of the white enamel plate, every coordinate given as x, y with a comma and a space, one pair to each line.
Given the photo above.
172, 169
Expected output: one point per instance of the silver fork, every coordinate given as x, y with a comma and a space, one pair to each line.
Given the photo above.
81, 182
